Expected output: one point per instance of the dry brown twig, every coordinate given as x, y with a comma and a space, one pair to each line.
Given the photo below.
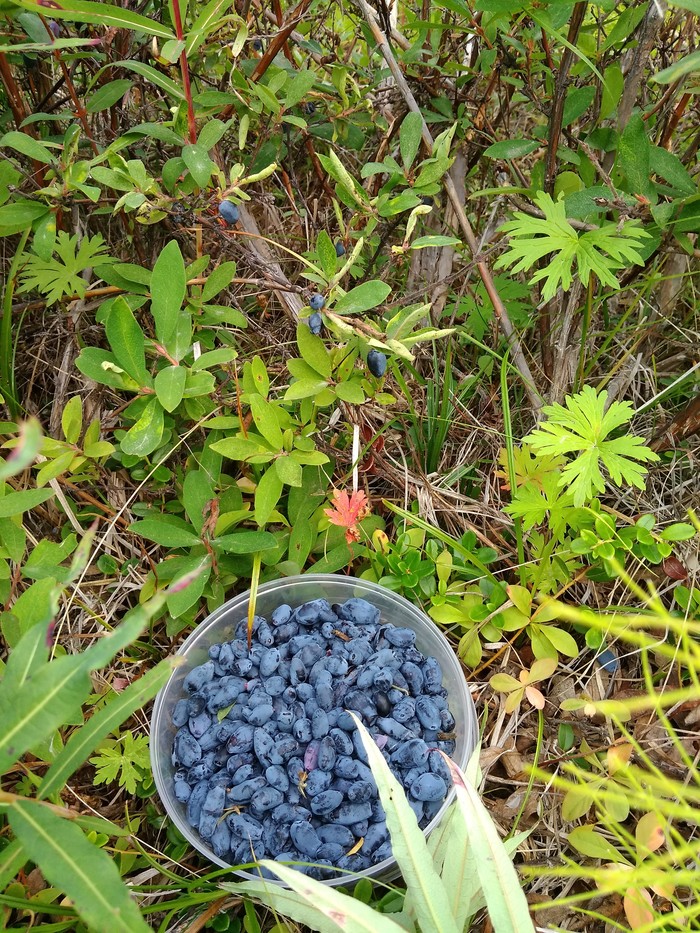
500, 311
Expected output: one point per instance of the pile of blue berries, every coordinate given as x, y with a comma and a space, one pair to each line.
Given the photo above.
268, 761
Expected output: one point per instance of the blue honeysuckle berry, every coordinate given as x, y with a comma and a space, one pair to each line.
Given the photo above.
229, 212
316, 302
315, 323
339, 248
257, 45
376, 363
308, 108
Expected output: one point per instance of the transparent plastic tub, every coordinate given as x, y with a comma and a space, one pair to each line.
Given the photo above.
294, 591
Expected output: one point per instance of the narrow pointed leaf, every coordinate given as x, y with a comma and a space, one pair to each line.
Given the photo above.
85, 873
83, 742
428, 894
315, 904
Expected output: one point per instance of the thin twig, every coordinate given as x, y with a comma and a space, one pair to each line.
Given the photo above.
499, 308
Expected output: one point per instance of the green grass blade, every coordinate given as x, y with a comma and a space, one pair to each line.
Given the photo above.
317, 905
113, 714
428, 896
499, 880
85, 873
12, 858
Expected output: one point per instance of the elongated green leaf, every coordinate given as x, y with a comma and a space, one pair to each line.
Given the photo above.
27, 145
679, 69
127, 341
246, 542
267, 495
313, 350
505, 900
266, 421
102, 14
459, 873
167, 530
112, 715
168, 287
86, 874
18, 216
410, 136
170, 386
428, 895
12, 858
108, 95
197, 160
315, 904
53, 694
145, 436
14, 503
150, 74
362, 298
26, 450
205, 22
31, 652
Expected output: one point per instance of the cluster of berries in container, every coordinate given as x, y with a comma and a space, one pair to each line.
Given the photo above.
256, 751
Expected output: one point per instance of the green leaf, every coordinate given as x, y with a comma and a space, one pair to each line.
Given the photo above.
72, 419
578, 100
211, 133
304, 388
16, 217
12, 859
238, 448
84, 872
684, 66
197, 493
218, 279
588, 841
326, 254
334, 560
101, 14
150, 74
32, 650
505, 900
316, 905
266, 421
127, 341
14, 503
214, 358
299, 87
27, 145
205, 23
197, 160
410, 136
422, 242
82, 742
424, 886
288, 470
145, 436
53, 695
351, 392
246, 542
170, 386
168, 288
362, 298
511, 148
633, 154
108, 95
166, 530
267, 495
195, 572
313, 350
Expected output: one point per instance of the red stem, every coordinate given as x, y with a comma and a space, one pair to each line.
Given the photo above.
185, 74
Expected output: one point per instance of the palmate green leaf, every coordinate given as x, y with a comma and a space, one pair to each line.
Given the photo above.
505, 900
71, 863
314, 904
109, 717
601, 252
582, 428
427, 892
61, 274
125, 761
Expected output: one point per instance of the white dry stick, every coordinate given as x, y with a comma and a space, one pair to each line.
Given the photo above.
501, 313
355, 456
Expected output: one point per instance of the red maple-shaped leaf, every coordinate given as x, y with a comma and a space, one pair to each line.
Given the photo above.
347, 511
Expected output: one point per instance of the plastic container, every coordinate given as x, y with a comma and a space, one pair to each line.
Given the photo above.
294, 591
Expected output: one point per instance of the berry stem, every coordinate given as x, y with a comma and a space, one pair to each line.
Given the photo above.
184, 68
